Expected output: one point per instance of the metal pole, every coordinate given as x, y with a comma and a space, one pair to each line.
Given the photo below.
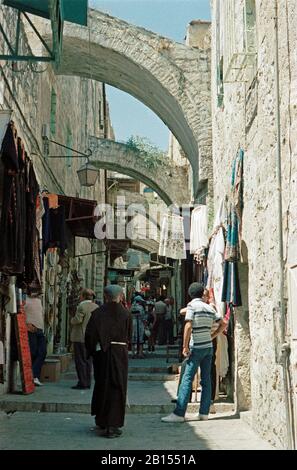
105, 134
285, 349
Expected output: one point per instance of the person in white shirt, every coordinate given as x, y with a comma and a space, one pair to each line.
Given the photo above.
198, 324
35, 327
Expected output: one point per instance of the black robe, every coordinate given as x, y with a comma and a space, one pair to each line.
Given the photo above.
110, 322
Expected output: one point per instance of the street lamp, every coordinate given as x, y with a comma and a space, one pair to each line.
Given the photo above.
87, 174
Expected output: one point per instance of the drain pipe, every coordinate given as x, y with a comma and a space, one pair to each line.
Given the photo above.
285, 349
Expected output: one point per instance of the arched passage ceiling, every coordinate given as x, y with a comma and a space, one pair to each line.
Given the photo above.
170, 78
169, 181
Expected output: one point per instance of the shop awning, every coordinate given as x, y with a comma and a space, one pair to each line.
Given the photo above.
115, 273
79, 215
75, 11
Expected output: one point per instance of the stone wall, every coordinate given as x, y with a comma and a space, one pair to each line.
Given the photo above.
247, 119
28, 92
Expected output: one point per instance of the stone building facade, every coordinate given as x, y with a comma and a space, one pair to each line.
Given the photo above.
198, 37
245, 115
68, 110
71, 108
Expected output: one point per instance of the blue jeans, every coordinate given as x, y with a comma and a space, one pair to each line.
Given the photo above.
202, 358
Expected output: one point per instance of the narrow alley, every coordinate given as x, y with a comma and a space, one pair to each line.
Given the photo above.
148, 225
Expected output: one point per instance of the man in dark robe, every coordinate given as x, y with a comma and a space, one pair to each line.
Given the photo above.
107, 335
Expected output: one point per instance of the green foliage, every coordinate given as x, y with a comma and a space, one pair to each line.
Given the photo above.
151, 155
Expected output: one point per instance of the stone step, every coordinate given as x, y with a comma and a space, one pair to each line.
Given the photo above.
62, 407
150, 370
138, 373
150, 377
161, 355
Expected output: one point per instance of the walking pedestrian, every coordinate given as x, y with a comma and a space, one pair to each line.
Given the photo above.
107, 335
168, 321
151, 321
35, 327
138, 325
159, 329
79, 323
198, 322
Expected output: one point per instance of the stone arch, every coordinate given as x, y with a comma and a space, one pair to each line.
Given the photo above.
169, 181
172, 79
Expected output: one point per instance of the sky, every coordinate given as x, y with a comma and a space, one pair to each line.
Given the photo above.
168, 18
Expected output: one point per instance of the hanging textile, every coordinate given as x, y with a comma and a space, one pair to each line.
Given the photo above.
222, 356
53, 227
172, 240
221, 215
231, 287
198, 233
234, 217
31, 245
18, 216
215, 265
237, 185
39, 212
13, 214
232, 242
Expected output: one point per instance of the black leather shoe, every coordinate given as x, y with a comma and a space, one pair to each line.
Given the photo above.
174, 400
112, 433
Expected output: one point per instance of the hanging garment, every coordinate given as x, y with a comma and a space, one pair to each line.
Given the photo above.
222, 357
200, 256
53, 227
234, 218
198, 233
39, 212
232, 237
237, 184
231, 287
172, 240
13, 214
32, 190
221, 215
215, 265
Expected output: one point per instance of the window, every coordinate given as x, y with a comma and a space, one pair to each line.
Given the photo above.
53, 112
250, 36
69, 143
240, 45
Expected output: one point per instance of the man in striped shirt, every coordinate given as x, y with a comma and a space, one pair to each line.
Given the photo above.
197, 346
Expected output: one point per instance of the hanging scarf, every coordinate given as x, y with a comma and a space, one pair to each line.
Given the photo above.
172, 240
